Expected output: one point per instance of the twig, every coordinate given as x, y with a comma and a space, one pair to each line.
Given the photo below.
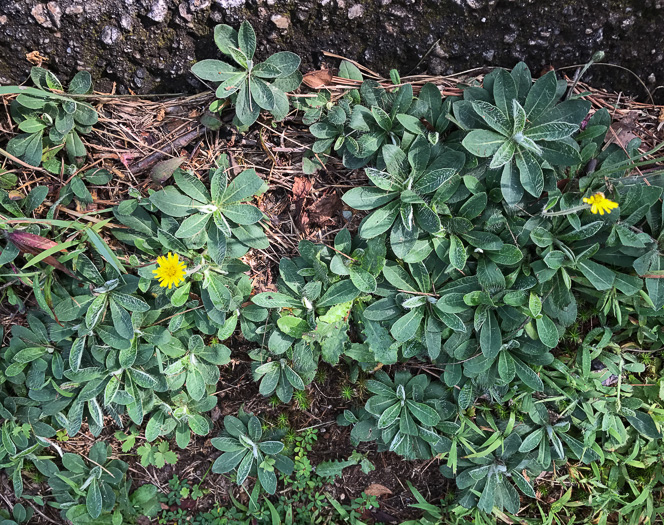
177, 144
41, 513
25, 164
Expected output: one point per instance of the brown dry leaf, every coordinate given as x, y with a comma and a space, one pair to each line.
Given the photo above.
622, 131
36, 244
375, 489
36, 58
324, 209
301, 188
318, 79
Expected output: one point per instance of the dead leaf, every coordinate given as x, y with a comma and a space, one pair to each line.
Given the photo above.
324, 209
162, 171
375, 489
301, 188
187, 504
35, 244
622, 131
36, 58
318, 79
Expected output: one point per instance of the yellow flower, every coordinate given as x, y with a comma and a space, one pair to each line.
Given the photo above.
600, 204
170, 271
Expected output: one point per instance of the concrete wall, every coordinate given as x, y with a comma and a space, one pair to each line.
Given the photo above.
150, 45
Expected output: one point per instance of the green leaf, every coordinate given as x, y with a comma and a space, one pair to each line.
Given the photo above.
341, 292
427, 415
528, 376
193, 225
645, 424
262, 93
368, 197
213, 70
506, 367
483, 143
430, 181
530, 172
510, 184
246, 39
275, 300
246, 110
195, 384
76, 353
127, 356
171, 202
198, 424
293, 326
242, 213
286, 61
95, 311
493, 116
405, 327
457, 253
599, 276
532, 440
362, 279
541, 96
191, 186
547, 331
93, 501
81, 83
219, 293
121, 321
243, 187
655, 286
551, 131
491, 338
382, 118
228, 461
504, 154
389, 416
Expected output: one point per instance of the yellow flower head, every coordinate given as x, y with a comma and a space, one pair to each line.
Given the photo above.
170, 271
600, 204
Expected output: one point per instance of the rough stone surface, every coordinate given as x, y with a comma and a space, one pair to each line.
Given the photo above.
109, 35
115, 39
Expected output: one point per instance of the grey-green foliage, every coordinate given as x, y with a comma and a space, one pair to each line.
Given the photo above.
494, 476
216, 215
48, 117
77, 186
522, 127
251, 85
364, 120
19, 515
406, 415
248, 451
87, 487
405, 192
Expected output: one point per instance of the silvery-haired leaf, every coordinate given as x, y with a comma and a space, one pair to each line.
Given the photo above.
214, 70
285, 61
493, 116
504, 91
530, 172
380, 220
541, 96
483, 143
